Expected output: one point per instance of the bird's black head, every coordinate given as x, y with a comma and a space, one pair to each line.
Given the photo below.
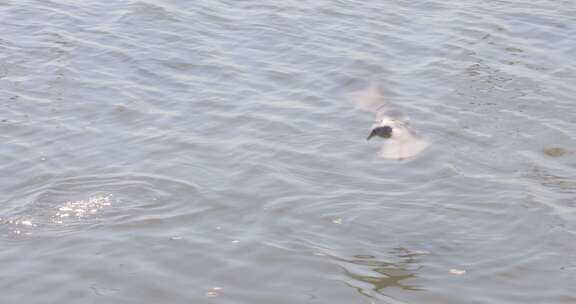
384, 132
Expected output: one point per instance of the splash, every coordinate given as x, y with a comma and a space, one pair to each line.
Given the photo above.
82, 208
64, 214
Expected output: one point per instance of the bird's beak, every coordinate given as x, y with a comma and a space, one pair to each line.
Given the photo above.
371, 135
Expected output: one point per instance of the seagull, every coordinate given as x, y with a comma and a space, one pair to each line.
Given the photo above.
401, 140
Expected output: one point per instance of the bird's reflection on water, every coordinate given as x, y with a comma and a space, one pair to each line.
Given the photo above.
370, 274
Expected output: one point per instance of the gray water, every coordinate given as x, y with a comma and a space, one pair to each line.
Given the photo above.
208, 151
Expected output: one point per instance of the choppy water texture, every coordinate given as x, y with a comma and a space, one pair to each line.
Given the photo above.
207, 151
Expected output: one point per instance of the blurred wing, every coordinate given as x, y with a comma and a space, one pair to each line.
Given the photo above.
371, 99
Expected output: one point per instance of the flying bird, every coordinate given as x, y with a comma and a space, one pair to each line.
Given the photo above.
401, 140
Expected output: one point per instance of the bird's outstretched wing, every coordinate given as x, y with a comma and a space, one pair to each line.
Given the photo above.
371, 99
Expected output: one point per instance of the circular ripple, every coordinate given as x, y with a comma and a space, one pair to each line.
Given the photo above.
76, 204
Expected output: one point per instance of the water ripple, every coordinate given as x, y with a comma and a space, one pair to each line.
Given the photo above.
164, 151
78, 204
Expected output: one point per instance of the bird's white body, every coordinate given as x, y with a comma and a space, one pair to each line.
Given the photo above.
405, 141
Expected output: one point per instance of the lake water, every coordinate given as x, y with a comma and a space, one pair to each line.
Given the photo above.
171, 151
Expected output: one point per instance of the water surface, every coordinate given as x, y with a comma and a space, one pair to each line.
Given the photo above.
209, 152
